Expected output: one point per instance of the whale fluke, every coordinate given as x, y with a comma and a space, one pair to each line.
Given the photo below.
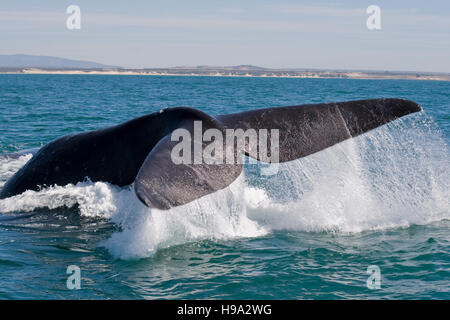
303, 130
139, 151
310, 128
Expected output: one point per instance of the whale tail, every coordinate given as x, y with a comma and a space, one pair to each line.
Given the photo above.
301, 130
168, 172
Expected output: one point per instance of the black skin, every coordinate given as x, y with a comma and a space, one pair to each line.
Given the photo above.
113, 154
139, 150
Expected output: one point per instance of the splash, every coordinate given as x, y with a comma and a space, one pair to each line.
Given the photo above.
9, 166
93, 199
221, 215
395, 176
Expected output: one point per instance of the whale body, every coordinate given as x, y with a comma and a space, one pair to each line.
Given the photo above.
139, 151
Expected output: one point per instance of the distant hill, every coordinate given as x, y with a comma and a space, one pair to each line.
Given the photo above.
246, 67
30, 61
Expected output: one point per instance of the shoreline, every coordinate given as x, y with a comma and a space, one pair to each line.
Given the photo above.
243, 74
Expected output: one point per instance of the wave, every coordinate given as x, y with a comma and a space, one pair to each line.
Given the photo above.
395, 176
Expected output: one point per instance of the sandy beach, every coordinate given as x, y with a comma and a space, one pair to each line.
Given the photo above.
227, 72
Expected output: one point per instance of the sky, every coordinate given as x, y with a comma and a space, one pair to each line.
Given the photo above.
414, 35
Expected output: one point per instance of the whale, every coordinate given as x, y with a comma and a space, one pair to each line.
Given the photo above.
139, 152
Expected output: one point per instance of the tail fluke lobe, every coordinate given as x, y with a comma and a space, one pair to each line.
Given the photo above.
364, 115
172, 176
304, 130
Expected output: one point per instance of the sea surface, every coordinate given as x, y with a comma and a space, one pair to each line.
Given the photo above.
316, 230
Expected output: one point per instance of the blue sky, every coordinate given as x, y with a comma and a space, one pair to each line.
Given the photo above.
415, 35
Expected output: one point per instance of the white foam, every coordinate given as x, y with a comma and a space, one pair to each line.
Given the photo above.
93, 199
394, 176
9, 166
221, 215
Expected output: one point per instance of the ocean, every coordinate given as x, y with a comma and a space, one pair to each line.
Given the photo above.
365, 219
